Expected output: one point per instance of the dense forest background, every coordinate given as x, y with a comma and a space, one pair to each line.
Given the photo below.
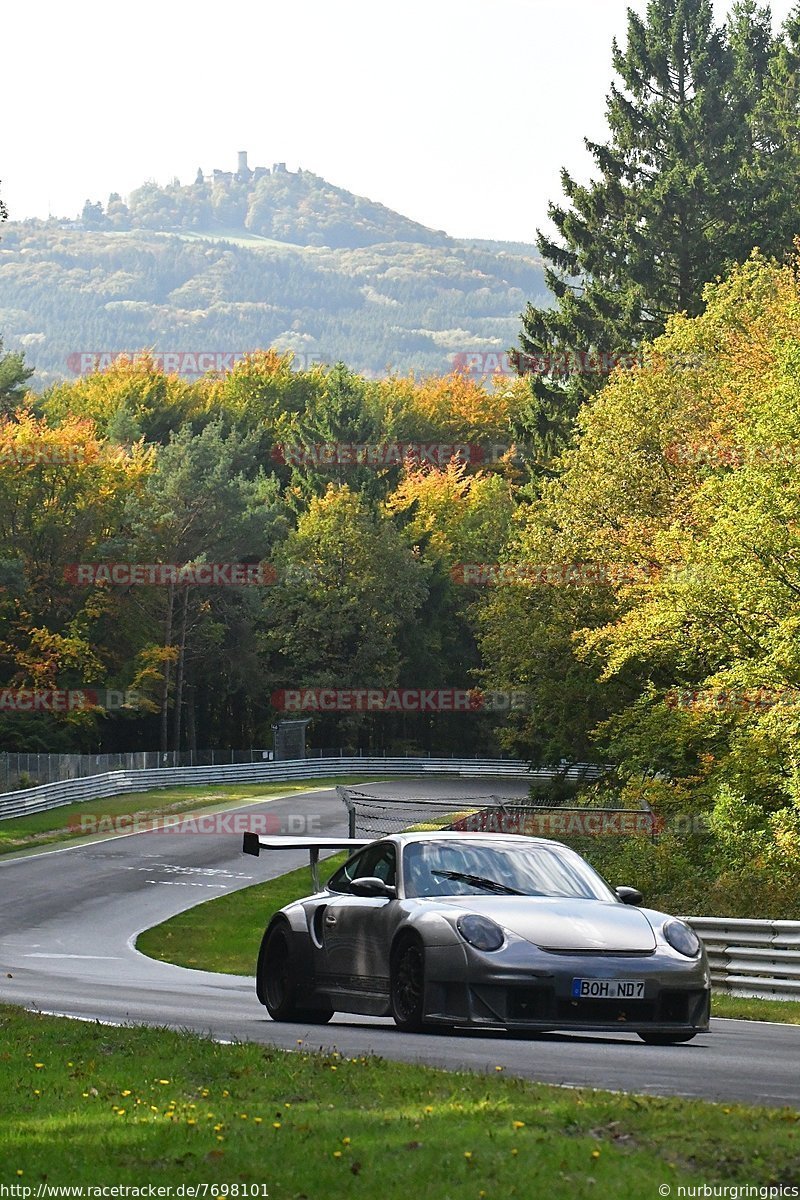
231, 264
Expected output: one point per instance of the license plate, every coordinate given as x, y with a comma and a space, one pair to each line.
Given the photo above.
607, 989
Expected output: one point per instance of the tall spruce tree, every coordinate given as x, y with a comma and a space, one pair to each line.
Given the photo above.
681, 194
776, 140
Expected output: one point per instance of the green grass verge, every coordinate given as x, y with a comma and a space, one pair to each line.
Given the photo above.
89, 1104
224, 935
742, 1009
41, 829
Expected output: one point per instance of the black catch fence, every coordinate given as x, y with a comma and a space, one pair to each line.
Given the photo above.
372, 816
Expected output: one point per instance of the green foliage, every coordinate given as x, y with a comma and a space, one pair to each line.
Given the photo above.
701, 165
208, 499
684, 673
126, 402
13, 377
700, 874
347, 585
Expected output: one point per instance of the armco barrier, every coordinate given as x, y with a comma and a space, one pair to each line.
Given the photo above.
752, 958
40, 768
114, 783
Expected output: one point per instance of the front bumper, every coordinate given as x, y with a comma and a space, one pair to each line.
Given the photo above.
472, 989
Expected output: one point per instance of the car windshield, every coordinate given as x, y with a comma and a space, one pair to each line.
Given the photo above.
451, 868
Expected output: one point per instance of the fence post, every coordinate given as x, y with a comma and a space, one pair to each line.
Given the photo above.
347, 800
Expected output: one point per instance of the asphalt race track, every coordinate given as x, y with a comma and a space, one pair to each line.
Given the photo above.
69, 918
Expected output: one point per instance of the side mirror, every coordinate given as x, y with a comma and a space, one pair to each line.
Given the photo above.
629, 895
370, 885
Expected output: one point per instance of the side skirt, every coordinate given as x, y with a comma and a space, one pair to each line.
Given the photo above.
367, 995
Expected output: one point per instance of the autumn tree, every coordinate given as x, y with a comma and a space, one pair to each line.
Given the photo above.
681, 493
453, 518
61, 496
458, 408
129, 400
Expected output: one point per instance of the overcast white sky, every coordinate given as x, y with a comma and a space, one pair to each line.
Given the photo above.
457, 113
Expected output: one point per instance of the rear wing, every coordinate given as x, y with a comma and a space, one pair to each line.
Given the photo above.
254, 843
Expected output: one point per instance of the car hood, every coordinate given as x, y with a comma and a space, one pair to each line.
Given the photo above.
565, 924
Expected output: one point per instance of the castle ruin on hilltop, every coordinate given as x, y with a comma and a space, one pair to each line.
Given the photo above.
243, 174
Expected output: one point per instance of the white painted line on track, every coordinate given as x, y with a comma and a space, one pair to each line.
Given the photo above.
745, 1021
186, 883
98, 957
176, 869
50, 1012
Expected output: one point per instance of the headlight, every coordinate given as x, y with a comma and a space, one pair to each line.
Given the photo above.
682, 938
480, 932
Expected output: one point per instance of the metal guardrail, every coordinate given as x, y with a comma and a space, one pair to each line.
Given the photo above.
114, 783
40, 768
752, 958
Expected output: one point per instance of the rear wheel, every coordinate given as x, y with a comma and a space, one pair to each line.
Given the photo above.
277, 984
407, 985
666, 1039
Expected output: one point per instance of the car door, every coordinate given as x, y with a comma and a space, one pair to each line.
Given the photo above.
356, 932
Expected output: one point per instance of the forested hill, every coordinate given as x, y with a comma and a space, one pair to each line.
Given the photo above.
228, 265
291, 206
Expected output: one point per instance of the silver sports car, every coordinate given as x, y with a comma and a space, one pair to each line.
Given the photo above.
479, 930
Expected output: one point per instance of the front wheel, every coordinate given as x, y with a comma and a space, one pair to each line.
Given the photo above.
666, 1039
407, 985
277, 984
